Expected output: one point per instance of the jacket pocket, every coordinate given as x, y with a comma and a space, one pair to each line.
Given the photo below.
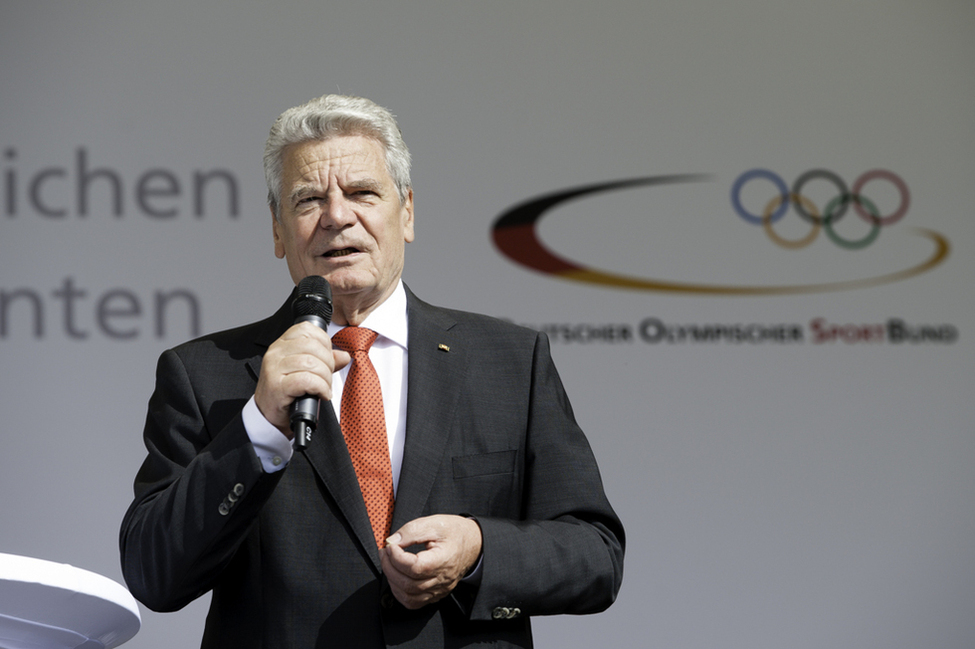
483, 464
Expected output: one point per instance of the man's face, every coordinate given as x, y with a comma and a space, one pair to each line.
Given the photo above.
341, 218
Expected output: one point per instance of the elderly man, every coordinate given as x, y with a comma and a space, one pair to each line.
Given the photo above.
481, 507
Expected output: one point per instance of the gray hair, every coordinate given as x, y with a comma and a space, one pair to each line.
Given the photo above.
331, 116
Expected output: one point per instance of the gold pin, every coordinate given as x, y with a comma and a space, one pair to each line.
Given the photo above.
442, 347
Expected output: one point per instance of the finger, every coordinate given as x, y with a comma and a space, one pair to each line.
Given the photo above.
300, 383
413, 594
340, 359
409, 592
419, 531
307, 330
305, 338
403, 562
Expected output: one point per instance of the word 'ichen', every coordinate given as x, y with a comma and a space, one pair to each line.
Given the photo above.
81, 189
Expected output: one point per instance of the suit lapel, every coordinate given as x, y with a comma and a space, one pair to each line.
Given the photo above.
436, 370
329, 456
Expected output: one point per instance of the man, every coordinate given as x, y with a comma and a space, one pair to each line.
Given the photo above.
498, 511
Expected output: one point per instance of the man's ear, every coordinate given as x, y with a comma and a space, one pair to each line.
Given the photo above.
408, 233
278, 241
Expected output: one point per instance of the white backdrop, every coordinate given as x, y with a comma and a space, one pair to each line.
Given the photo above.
803, 494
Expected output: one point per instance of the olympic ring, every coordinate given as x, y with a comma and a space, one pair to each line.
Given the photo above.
897, 182
845, 243
827, 175
794, 244
835, 209
759, 173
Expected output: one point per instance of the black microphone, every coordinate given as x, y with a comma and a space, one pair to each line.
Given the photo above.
312, 304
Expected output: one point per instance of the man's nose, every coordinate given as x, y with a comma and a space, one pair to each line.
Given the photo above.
337, 213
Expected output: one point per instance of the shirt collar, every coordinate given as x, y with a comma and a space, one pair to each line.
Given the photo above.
388, 319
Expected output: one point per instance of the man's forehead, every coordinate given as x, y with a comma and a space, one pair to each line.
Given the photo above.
346, 154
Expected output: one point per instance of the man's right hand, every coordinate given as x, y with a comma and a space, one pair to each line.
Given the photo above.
300, 362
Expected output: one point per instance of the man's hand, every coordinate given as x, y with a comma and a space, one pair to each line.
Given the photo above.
300, 362
452, 547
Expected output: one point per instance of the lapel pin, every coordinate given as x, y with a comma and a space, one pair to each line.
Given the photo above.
444, 348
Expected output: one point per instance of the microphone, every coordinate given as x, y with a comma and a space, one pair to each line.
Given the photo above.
312, 304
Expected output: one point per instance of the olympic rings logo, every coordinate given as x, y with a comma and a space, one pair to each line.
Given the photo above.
833, 211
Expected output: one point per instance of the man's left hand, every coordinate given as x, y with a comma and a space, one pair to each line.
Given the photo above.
452, 545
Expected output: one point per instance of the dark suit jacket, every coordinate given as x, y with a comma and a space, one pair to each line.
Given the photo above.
290, 556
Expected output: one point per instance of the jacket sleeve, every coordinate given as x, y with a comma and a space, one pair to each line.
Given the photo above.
197, 494
564, 554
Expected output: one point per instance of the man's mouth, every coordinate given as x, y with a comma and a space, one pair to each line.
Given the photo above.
341, 252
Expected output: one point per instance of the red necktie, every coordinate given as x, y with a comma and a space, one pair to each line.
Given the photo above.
364, 429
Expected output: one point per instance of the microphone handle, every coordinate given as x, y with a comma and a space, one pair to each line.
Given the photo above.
304, 410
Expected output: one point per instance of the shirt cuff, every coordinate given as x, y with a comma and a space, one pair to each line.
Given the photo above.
474, 576
273, 449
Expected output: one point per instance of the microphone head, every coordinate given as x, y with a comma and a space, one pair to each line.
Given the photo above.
314, 298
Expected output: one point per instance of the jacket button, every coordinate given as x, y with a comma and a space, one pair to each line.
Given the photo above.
224, 509
386, 600
500, 613
238, 489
